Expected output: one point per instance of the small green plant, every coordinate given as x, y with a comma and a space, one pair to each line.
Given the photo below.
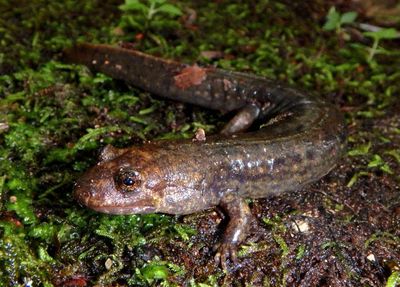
377, 36
154, 7
149, 15
335, 20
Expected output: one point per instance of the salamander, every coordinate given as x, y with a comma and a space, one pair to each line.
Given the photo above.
279, 140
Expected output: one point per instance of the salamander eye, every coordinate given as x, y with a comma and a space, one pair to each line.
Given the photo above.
128, 180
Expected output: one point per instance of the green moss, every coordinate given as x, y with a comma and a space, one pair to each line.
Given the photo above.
386, 237
155, 273
20, 264
275, 223
300, 252
393, 279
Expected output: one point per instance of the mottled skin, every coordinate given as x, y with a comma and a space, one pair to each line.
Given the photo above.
298, 140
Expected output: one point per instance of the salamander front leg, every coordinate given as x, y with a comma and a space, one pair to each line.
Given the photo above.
240, 218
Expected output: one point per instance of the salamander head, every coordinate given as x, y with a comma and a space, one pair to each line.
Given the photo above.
121, 183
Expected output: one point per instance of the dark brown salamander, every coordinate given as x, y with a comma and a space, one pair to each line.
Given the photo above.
300, 140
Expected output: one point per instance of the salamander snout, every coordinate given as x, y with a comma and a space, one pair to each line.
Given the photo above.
94, 187
82, 195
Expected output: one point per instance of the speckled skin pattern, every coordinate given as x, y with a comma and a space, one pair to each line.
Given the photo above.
298, 138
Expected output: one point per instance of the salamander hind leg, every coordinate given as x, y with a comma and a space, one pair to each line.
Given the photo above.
240, 219
242, 120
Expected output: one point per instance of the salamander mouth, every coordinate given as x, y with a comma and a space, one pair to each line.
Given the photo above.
125, 209
115, 206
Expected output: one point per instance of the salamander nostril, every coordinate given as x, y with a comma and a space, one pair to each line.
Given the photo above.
81, 192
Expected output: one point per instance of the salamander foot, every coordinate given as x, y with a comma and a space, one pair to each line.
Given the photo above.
225, 251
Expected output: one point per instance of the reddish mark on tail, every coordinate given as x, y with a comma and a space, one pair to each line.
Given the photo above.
190, 76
